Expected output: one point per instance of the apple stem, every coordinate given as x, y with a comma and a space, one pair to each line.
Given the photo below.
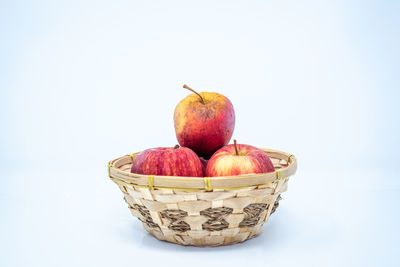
190, 89
176, 146
236, 149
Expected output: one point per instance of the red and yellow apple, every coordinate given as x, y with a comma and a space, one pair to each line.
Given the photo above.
168, 161
238, 159
204, 122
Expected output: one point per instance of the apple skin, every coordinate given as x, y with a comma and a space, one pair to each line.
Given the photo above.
225, 162
204, 127
168, 161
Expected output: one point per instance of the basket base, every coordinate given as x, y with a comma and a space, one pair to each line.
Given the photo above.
203, 238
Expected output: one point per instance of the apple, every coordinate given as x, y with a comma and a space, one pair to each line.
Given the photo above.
204, 122
168, 161
238, 159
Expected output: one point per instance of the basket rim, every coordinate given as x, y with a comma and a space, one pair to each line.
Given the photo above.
201, 183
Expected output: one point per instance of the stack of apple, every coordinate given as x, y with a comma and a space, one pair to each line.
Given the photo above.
204, 124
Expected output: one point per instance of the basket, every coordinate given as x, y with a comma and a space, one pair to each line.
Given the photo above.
209, 211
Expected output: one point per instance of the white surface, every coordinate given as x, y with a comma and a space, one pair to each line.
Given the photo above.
81, 220
83, 82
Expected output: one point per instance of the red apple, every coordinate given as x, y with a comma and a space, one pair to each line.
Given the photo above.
168, 161
204, 122
238, 159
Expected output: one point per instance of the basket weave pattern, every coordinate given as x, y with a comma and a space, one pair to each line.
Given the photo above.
201, 217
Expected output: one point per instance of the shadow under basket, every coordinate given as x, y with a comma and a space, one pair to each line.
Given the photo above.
208, 211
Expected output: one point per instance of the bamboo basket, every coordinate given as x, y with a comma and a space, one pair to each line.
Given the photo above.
209, 211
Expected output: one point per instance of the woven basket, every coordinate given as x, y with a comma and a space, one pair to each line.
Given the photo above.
209, 211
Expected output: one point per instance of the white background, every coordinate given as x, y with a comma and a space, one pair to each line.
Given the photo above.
83, 82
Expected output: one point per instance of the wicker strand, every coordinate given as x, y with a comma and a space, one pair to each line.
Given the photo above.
207, 184
151, 182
